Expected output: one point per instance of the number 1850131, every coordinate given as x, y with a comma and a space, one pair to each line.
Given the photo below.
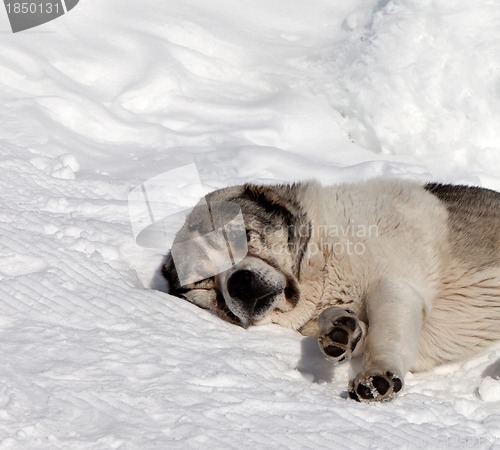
32, 8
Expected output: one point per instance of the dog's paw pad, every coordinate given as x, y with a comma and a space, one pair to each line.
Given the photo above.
347, 321
377, 387
340, 337
334, 351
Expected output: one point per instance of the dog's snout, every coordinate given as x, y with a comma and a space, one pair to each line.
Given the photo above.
245, 285
252, 291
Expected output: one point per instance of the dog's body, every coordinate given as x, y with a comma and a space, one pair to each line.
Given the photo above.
405, 274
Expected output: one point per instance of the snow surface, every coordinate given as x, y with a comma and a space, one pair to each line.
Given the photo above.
116, 92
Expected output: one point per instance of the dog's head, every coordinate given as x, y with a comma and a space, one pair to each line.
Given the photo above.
265, 280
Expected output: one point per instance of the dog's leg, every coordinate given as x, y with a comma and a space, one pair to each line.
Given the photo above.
395, 313
340, 334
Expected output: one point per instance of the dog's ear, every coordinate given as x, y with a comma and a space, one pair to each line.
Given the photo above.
282, 200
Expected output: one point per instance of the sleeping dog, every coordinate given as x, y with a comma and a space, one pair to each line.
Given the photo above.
404, 274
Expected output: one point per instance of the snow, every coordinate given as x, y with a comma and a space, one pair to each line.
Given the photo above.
489, 390
115, 93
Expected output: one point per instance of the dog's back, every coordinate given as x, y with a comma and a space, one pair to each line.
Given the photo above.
465, 317
474, 222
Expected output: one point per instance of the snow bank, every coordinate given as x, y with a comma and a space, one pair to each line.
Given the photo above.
116, 92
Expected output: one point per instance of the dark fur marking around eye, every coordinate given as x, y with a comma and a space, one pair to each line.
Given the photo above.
206, 283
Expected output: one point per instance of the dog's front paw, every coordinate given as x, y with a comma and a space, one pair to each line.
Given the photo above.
340, 333
378, 387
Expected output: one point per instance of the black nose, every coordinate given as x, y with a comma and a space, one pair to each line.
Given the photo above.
247, 287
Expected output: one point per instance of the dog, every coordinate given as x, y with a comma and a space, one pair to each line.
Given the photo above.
402, 273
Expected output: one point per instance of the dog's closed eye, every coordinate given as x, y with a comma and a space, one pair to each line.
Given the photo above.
204, 298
